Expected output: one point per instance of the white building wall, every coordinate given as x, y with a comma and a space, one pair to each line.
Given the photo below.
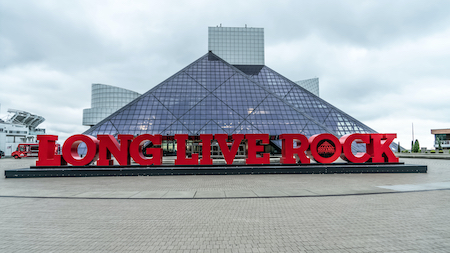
237, 45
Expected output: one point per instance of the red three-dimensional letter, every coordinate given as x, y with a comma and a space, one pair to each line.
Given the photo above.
324, 140
229, 154
288, 151
109, 145
46, 155
181, 151
253, 148
379, 148
206, 149
346, 142
137, 145
70, 149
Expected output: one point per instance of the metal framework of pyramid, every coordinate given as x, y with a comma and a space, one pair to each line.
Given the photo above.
211, 96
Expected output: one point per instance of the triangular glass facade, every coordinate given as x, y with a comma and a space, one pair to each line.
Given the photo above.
212, 96
338, 122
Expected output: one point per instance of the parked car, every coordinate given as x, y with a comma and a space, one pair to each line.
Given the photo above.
2, 154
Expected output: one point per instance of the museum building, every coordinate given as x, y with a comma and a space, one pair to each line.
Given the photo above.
229, 90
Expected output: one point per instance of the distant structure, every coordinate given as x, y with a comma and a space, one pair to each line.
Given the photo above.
441, 136
312, 85
237, 45
106, 99
19, 127
24, 118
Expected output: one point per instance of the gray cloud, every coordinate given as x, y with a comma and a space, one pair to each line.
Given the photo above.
383, 62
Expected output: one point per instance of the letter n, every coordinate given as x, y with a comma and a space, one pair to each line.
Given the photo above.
108, 145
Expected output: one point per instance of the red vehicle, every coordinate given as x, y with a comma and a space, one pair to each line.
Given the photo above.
26, 150
29, 150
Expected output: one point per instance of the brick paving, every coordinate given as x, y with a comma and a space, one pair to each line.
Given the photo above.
400, 221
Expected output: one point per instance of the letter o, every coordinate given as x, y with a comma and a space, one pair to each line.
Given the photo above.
325, 148
70, 149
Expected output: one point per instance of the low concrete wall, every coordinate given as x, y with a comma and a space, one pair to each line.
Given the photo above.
424, 155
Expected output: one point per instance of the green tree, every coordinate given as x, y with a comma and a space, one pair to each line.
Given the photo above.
398, 147
416, 146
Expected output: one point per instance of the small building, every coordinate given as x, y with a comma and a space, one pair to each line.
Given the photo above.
441, 136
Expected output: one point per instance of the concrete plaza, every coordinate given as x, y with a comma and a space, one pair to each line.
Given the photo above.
233, 213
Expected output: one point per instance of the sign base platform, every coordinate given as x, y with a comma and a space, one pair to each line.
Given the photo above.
219, 169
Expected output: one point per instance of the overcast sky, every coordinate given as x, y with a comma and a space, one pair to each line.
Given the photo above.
386, 63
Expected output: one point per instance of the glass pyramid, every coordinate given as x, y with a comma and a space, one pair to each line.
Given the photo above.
212, 96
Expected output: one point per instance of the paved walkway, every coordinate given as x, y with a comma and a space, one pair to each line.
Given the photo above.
216, 186
233, 213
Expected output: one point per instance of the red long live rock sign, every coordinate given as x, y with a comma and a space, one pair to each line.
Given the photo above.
323, 148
